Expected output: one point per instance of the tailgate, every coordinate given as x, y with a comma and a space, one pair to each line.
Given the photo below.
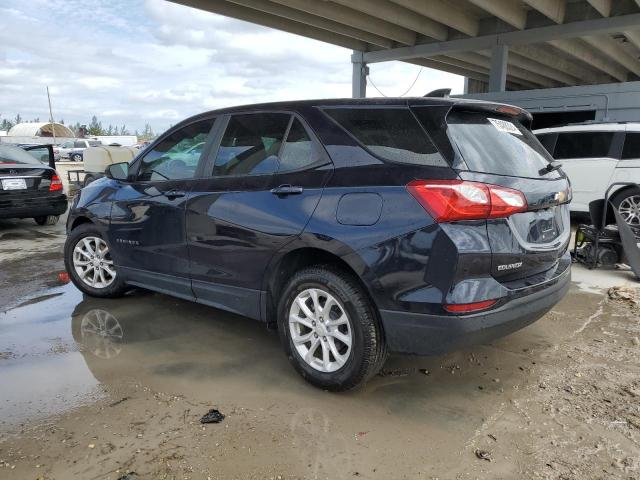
495, 148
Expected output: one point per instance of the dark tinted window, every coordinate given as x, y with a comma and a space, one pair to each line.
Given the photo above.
631, 146
176, 156
298, 150
79, 144
548, 141
499, 145
250, 144
393, 134
583, 145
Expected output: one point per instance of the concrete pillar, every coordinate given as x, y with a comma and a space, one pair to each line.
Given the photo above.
498, 73
359, 75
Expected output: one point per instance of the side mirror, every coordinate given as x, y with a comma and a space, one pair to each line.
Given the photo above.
118, 171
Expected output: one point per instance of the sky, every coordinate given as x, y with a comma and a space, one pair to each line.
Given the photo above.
134, 62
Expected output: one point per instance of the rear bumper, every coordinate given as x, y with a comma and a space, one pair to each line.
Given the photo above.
424, 334
34, 207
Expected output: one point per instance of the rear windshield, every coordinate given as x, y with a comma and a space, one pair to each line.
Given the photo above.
10, 155
498, 145
390, 133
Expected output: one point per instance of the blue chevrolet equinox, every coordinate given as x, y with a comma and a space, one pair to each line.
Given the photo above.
356, 227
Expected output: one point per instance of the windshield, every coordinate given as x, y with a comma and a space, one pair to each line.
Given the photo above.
498, 145
10, 155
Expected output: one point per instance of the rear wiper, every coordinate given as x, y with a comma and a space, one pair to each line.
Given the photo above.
551, 166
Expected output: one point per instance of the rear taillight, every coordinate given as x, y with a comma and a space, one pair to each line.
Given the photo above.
56, 184
469, 307
452, 200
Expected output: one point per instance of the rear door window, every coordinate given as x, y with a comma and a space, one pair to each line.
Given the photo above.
631, 146
251, 144
498, 145
390, 133
572, 145
298, 150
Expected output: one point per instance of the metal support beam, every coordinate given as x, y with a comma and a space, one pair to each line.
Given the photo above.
359, 75
523, 37
498, 72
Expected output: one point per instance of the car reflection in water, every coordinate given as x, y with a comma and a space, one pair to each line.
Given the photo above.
100, 333
155, 338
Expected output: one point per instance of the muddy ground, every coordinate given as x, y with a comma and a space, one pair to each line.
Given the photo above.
98, 389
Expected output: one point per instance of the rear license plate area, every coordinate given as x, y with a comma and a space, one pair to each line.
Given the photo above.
14, 184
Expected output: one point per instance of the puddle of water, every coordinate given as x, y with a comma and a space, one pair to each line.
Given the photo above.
41, 371
64, 349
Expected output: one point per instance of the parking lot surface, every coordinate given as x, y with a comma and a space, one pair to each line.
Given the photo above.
103, 388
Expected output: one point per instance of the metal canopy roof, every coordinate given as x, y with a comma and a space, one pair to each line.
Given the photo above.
512, 44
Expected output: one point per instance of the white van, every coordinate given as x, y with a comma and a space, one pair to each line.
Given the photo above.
595, 155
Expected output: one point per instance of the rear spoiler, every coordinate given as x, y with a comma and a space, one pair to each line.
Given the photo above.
513, 111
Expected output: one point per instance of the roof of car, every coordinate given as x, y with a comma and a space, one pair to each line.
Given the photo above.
594, 127
293, 105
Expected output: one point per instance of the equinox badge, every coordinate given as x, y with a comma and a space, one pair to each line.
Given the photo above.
509, 266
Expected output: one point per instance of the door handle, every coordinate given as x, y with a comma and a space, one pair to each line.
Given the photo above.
284, 190
171, 194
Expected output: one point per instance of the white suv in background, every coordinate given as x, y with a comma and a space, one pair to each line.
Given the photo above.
74, 149
595, 155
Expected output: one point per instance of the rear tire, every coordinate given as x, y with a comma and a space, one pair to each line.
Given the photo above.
47, 219
78, 258
627, 202
308, 338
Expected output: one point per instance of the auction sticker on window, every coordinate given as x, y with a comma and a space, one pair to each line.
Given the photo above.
504, 126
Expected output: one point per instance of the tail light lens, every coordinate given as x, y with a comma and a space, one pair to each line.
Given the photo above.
452, 200
56, 184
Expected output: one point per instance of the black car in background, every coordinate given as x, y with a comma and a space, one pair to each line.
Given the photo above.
29, 184
357, 227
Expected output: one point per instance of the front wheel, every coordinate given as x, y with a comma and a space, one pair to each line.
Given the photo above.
76, 157
46, 219
88, 261
329, 329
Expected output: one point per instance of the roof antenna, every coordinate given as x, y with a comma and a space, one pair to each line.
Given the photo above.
440, 93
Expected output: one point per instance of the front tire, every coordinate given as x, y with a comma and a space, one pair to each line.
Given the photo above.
329, 329
76, 157
87, 258
46, 219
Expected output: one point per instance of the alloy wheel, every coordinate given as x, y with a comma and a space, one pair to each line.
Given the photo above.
629, 209
92, 262
320, 330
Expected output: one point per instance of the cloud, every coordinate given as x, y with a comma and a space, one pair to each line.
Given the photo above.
134, 62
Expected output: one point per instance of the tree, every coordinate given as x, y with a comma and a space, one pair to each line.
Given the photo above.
147, 134
17, 120
95, 127
123, 130
6, 124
